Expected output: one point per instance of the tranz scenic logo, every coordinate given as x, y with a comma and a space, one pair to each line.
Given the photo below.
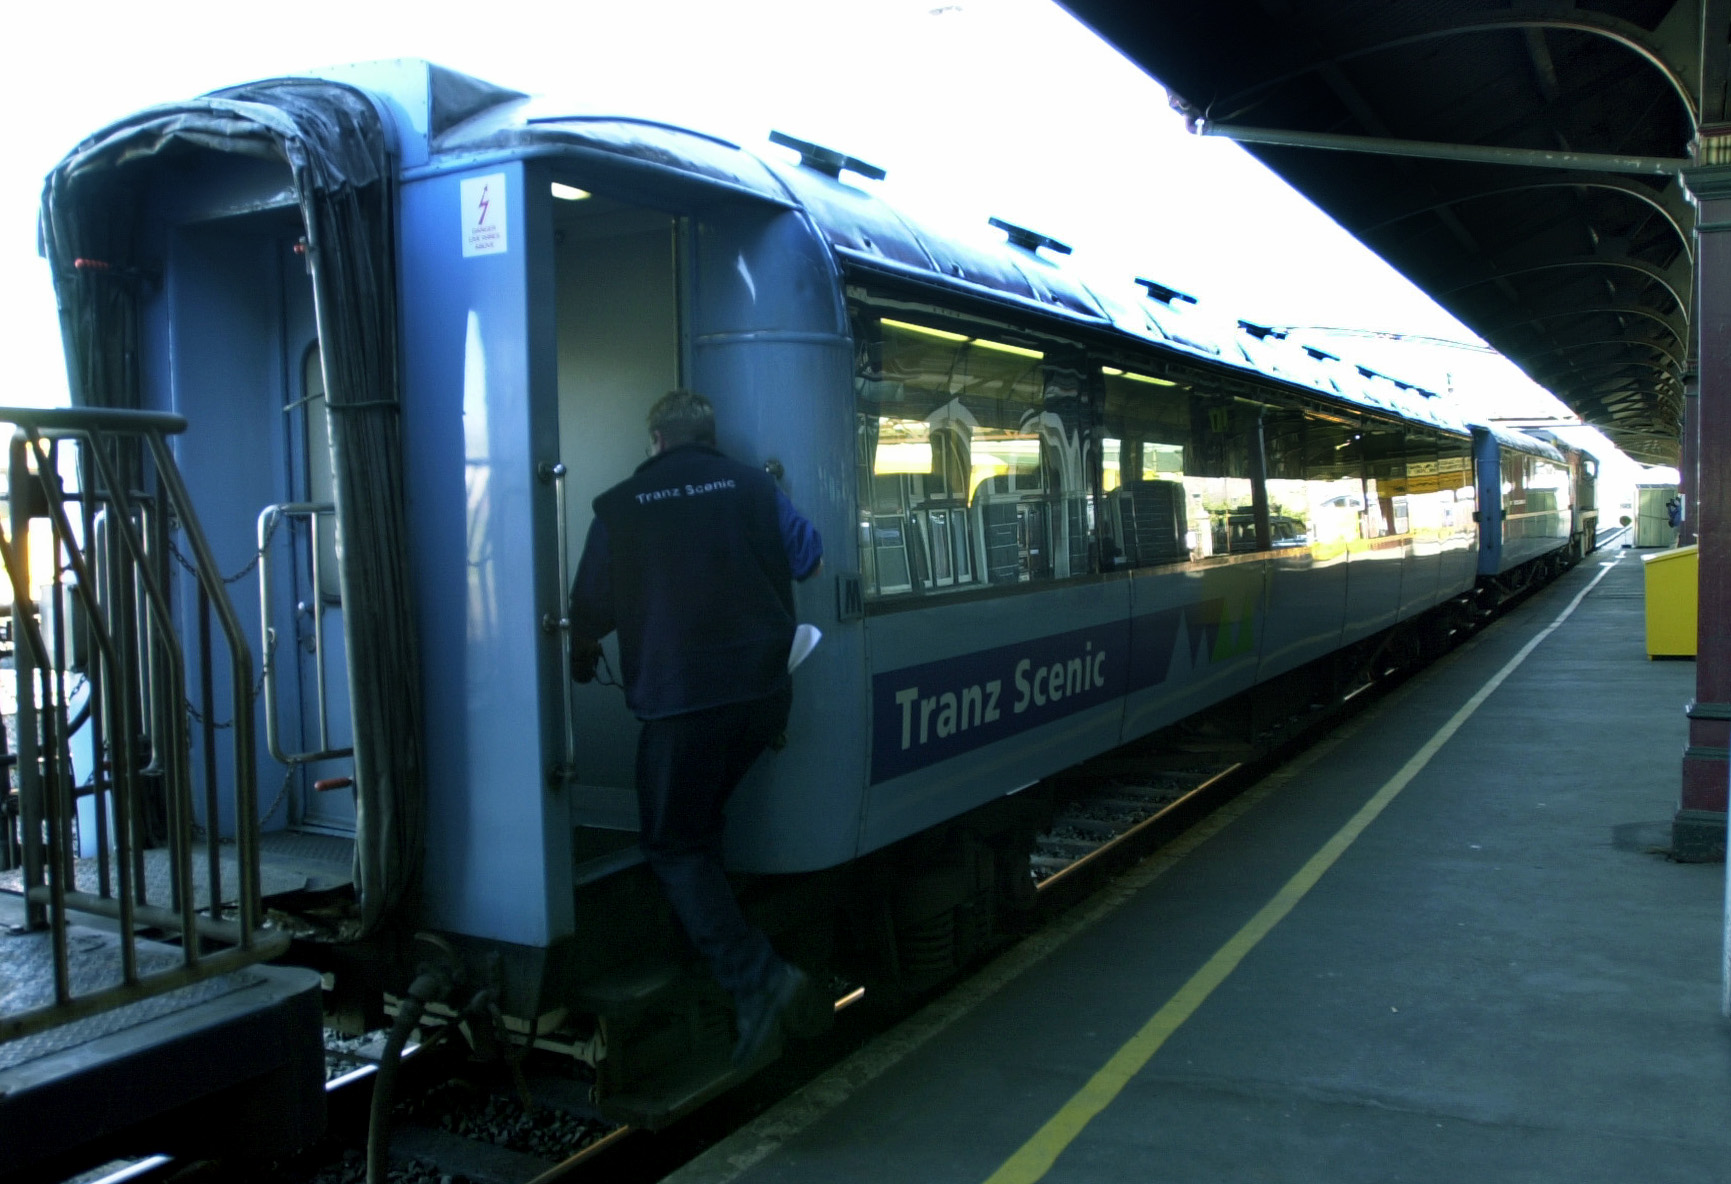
929, 713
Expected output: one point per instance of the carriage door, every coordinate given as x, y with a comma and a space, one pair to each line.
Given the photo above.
617, 291
306, 690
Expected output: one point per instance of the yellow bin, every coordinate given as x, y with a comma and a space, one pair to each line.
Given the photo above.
1671, 587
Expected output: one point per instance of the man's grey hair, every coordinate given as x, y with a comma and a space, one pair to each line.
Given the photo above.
683, 417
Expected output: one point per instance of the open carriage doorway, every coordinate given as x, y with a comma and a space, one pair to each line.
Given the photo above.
617, 271
201, 257
240, 359
309, 694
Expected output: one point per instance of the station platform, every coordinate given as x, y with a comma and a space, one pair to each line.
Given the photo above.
1444, 944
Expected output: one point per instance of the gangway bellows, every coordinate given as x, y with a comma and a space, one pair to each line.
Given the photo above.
110, 542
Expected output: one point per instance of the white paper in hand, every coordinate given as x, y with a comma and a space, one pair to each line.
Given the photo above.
805, 639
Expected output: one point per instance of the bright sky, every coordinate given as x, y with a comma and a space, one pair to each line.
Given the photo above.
975, 107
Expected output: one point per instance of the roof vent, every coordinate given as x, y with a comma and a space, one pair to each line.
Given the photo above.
827, 161
1171, 297
1321, 355
1028, 240
1262, 332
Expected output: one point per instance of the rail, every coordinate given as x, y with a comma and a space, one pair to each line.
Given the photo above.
97, 656
554, 473
314, 513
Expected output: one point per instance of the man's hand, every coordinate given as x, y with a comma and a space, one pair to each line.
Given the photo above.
585, 652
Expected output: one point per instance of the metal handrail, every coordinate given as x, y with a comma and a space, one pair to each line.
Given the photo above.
138, 706
267, 522
560, 622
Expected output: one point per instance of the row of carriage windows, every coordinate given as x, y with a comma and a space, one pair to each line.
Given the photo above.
986, 462
1534, 492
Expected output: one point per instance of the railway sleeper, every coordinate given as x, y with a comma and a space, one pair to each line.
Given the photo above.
1072, 848
1135, 809
1100, 810
1149, 795
1090, 826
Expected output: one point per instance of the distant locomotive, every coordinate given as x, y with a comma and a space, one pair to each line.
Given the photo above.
404, 302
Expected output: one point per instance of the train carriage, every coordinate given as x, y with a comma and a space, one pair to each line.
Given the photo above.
1583, 491
415, 323
1527, 492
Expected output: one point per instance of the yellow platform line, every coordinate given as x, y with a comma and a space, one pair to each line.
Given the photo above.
1036, 1157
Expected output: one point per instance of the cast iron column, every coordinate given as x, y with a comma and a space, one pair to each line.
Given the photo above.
1689, 469
1698, 829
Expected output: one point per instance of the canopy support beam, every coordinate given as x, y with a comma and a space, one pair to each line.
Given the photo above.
1531, 158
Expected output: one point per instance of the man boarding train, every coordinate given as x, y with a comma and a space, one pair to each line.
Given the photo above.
692, 561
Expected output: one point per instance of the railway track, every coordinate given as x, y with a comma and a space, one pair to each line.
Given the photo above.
458, 1121
1096, 824
457, 1124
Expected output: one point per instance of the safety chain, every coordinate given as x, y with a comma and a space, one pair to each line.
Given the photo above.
288, 775
196, 717
234, 579
252, 564
258, 686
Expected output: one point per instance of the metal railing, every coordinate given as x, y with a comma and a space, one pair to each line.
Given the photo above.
314, 513
557, 621
101, 657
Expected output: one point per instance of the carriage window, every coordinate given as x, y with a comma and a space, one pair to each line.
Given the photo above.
1291, 516
1385, 504
970, 460
1548, 487
1455, 480
1334, 483
1420, 499
1515, 468
1514, 473
1534, 491
1175, 479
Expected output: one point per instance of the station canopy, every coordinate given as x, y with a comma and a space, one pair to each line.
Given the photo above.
1516, 159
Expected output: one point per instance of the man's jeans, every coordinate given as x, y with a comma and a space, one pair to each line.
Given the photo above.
687, 767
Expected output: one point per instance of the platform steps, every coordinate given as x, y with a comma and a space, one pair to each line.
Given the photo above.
161, 723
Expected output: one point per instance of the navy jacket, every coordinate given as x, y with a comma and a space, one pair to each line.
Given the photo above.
692, 560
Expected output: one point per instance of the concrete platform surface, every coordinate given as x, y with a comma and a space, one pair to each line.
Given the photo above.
1371, 967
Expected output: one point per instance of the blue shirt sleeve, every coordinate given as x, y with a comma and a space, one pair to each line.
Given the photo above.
798, 537
592, 591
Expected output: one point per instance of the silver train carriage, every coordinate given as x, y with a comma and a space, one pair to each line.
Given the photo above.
1528, 491
414, 323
